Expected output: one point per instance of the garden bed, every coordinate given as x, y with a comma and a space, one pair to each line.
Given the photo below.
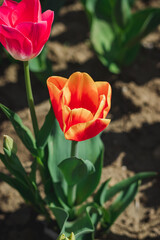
132, 140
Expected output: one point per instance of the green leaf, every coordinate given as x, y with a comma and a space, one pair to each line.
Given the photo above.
19, 186
61, 217
125, 197
89, 8
122, 12
22, 131
104, 9
99, 197
41, 66
59, 149
39, 63
82, 225
14, 166
45, 130
112, 191
93, 149
141, 24
123, 200
75, 169
32, 174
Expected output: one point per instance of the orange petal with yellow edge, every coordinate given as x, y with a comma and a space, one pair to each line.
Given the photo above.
59, 82
104, 88
84, 131
83, 91
55, 84
77, 116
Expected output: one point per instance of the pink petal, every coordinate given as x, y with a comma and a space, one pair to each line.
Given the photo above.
9, 3
15, 43
36, 33
48, 16
27, 11
5, 15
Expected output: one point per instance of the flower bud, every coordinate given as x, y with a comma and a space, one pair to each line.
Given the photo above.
63, 237
9, 144
72, 236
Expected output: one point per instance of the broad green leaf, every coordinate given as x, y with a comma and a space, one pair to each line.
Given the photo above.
61, 217
106, 44
87, 186
75, 169
82, 226
101, 28
22, 131
112, 191
59, 149
45, 130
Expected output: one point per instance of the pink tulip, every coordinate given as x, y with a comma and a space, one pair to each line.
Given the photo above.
24, 29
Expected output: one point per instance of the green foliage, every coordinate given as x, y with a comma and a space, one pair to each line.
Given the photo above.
115, 31
75, 169
127, 190
22, 131
68, 181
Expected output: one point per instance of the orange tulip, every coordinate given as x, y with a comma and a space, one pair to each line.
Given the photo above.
80, 105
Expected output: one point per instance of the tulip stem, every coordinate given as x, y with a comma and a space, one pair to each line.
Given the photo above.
74, 148
72, 188
30, 98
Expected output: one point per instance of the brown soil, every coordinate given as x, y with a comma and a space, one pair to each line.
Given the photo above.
132, 141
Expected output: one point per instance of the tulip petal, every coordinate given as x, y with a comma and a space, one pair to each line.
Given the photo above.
102, 105
4, 15
48, 16
104, 88
34, 32
16, 44
83, 91
9, 3
84, 131
59, 82
75, 116
55, 85
27, 11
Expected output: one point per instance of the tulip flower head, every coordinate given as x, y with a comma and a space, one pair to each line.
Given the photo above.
80, 105
24, 29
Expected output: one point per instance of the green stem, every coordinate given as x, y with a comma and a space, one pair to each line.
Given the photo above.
71, 195
30, 98
72, 189
74, 149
